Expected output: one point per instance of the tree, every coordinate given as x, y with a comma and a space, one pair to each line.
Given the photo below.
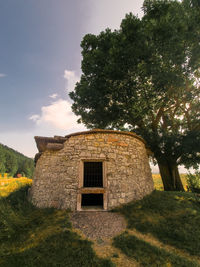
28, 168
145, 77
2, 161
11, 163
14, 162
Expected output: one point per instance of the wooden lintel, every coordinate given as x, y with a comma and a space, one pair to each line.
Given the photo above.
92, 190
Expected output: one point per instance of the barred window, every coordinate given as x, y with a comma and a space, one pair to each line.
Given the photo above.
93, 174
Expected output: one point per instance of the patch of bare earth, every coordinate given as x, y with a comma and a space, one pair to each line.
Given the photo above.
101, 227
97, 225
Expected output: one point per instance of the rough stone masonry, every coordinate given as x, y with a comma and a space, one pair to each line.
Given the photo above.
59, 174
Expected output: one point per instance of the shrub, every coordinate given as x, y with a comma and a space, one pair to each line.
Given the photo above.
193, 181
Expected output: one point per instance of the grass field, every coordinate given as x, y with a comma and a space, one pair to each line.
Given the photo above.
10, 184
163, 230
159, 185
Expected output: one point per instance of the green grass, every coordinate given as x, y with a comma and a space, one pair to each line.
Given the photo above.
171, 217
40, 237
31, 237
148, 255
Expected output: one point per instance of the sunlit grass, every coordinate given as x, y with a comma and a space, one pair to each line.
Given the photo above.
171, 217
159, 185
147, 254
10, 184
31, 237
157, 182
44, 237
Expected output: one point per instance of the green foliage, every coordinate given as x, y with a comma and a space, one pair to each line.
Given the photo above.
11, 163
2, 160
14, 162
144, 77
148, 255
193, 181
171, 217
40, 237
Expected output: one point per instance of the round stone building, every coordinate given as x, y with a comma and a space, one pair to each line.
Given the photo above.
97, 169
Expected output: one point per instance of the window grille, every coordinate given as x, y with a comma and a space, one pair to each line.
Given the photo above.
93, 174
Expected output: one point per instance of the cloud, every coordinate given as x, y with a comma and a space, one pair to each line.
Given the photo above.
59, 115
2, 75
34, 117
53, 96
71, 80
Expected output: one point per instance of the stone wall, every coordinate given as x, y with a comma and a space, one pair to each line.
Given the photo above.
59, 173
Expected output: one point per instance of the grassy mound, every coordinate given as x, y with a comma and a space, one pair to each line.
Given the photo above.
43, 237
40, 237
171, 217
148, 255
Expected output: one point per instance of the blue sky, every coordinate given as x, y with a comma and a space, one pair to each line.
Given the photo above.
40, 61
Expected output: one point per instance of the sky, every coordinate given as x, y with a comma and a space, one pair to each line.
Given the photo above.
40, 63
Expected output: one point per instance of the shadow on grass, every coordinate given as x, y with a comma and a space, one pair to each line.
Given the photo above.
30, 236
172, 217
62, 249
148, 255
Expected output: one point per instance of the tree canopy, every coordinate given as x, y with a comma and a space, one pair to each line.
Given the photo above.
144, 77
13, 162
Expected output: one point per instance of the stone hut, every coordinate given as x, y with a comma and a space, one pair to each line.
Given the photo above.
97, 169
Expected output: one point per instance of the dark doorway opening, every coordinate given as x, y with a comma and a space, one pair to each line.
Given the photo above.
92, 200
93, 174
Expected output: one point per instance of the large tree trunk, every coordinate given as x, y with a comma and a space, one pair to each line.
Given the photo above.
170, 176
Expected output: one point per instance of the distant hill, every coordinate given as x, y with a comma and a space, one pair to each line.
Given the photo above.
13, 162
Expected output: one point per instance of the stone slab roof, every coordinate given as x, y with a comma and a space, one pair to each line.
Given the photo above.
56, 142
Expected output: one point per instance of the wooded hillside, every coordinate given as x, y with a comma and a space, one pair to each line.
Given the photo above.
14, 163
